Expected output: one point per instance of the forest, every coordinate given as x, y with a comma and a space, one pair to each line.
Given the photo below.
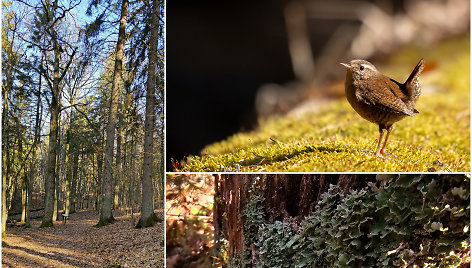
82, 116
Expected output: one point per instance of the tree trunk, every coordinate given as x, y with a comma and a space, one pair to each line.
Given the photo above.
217, 216
33, 154
161, 192
131, 170
106, 215
67, 195
118, 168
23, 177
148, 218
11, 185
70, 151
50, 180
24, 198
30, 192
98, 199
56, 202
4, 202
73, 190
51, 166
134, 175
59, 169
99, 178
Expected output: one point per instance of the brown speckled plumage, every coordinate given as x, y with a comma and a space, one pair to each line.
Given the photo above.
379, 99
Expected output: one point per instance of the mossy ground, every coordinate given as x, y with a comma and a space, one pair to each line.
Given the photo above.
149, 222
105, 222
335, 139
46, 224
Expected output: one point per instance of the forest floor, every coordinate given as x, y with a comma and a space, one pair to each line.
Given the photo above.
78, 244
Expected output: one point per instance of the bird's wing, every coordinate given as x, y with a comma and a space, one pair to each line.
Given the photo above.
384, 95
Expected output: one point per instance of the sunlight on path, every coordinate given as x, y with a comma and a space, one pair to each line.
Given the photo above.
79, 244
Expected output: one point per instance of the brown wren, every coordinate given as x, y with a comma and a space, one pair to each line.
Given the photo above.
380, 99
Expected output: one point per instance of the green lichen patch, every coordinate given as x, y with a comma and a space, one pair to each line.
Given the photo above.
404, 221
333, 138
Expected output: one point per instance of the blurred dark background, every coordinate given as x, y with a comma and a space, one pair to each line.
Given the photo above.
218, 54
232, 62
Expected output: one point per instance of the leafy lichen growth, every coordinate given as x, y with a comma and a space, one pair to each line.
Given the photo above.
401, 222
335, 139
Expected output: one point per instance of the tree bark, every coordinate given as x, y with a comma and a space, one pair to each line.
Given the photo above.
217, 215
59, 166
29, 193
11, 186
51, 161
73, 190
148, 218
67, 195
70, 151
116, 190
106, 215
56, 197
24, 199
4, 202
99, 177
4, 164
4, 194
23, 178
37, 125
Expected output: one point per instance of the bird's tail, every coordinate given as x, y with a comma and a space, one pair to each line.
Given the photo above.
412, 84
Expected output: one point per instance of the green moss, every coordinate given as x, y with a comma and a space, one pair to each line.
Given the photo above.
149, 222
102, 223
334, 138
46, 224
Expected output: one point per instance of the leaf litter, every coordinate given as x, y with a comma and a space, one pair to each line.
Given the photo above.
79, 244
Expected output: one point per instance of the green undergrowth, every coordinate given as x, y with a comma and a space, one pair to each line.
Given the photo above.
401, 222
333, 138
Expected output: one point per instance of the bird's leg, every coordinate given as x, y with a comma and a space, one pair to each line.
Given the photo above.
389, 129
381, 130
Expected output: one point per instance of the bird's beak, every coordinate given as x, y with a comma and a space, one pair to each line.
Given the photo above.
346, 65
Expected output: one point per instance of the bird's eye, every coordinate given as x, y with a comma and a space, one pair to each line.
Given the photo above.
362, 67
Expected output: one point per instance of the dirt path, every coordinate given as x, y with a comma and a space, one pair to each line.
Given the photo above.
78, 244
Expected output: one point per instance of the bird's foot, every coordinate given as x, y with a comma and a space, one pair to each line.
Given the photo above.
384, 155
375, 154
379, 155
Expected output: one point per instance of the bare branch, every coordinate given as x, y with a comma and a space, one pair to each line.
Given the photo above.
68, 64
